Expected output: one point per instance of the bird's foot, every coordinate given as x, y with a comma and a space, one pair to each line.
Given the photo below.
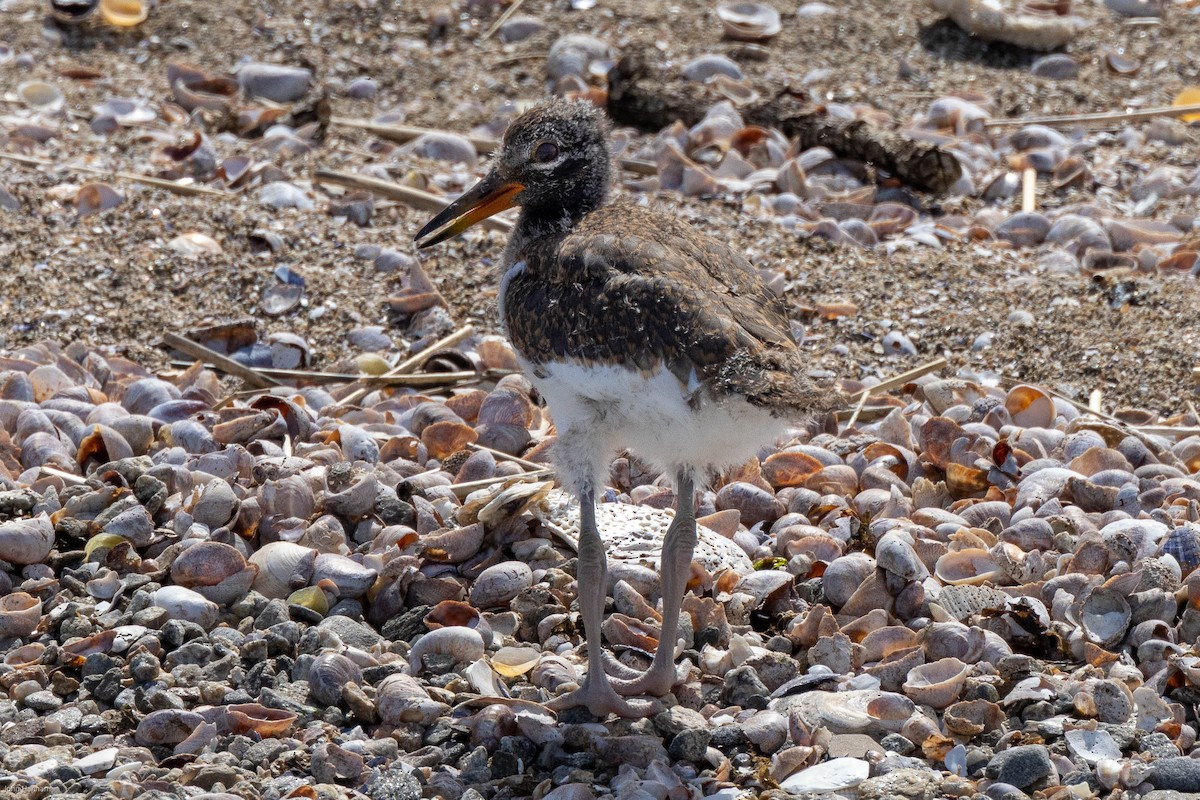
598, 697
657, 681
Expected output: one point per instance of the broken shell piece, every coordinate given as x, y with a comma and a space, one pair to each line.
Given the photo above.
970, 567
72, 12
987, 21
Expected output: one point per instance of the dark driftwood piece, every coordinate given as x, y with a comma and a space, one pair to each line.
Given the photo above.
647, 97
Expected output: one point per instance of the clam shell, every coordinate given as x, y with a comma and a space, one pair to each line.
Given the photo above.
183, 603
328, 676
1104, 616
938, 683
749, 22
282, 568
969, 567
124, 13
20, 613
26, 541
402, 699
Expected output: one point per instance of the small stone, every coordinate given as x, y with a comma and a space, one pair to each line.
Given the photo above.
903, 784
896, 743
394, 261
775, 669
1024, 765
1181, 774
854, 745
362, 89
352, 633
1159, 745
1056, 66
367, 252
689, 745
281, 194
43, 701
274, 82
744, 688
677, 719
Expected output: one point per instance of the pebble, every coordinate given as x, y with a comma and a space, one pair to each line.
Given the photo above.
1181, 774
1021, 766
280, 194
274, 82
903, 784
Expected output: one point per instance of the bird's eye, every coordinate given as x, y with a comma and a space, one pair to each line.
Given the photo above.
545, 152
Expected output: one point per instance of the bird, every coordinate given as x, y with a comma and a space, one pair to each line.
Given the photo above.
641, 333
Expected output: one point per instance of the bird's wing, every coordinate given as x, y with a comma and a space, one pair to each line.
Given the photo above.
621, 291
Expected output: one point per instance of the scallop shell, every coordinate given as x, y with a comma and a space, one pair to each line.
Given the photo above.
937, 684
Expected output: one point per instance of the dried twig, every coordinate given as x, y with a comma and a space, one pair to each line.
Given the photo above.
410, 364
1171, 431
862, 401
406, 194
482, 144
508, 12
464, 489
293, 376
249, 376
500, 454
1102, 118
902, 378
187, 189
1196, 374
68, 477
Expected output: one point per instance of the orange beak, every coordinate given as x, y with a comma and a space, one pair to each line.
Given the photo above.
489, 196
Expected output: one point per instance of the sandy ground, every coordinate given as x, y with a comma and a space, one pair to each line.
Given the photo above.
111, 279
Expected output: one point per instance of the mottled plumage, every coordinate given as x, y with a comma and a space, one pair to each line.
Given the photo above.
633, 287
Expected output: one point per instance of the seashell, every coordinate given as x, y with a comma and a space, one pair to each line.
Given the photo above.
1104, 616
574, 54
274, 82
24, 656
444, 438
282, 568
208, 564
71, 12
512, 662
835, 775
464, 644
312, 598
402, 700
269, 723
40, 95
183, 603
1030, 407
707, 66
971, 567
749, 22
348, 577
894, 668
499, 584
845, 575
124, 13
20, 613
938, 683
329, 675
166, 727
973, 717
26, 541
93, 198
897, 556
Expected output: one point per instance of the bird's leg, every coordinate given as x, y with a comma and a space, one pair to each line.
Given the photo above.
591, 574
677, 550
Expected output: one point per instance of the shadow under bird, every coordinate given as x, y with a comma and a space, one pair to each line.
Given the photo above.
642, 334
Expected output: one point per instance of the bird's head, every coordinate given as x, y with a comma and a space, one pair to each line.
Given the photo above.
553, 162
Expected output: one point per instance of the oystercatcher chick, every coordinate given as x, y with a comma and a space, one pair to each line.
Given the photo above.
641, 333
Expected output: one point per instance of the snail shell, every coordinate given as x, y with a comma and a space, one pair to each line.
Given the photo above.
26, 541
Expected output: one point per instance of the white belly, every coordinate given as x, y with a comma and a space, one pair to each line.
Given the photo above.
599, 410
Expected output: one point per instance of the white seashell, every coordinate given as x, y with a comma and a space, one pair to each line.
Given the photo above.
830, 776
183, 603
464, 644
